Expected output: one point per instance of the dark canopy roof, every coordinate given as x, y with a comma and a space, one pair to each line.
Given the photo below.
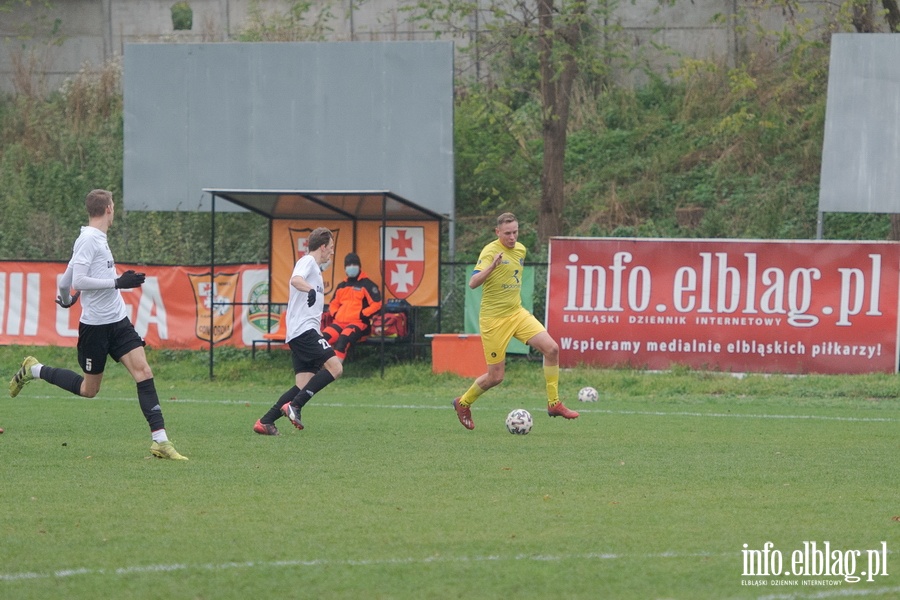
361, 205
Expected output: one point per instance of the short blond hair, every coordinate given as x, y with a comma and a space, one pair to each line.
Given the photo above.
505, 218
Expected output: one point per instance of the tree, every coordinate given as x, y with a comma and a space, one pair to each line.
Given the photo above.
557, 45
538, 50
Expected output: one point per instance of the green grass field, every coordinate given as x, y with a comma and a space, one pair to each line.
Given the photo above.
651, 493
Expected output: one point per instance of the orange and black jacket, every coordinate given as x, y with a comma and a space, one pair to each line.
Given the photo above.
355, 300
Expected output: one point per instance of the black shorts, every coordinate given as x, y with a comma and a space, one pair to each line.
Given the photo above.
95, 342
309, 351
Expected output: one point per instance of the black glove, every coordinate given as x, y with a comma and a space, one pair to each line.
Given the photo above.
311, 297
72, 300
130, 279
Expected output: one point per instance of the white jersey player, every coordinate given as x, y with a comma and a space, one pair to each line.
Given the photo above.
315, 363
104, 328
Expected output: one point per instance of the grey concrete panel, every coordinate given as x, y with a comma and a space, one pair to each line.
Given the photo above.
861, 150
322, 116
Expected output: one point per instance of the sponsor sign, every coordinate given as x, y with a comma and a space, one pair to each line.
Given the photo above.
258, 316
730, 305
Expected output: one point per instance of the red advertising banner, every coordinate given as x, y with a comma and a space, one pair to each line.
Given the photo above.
728, 305
177, 307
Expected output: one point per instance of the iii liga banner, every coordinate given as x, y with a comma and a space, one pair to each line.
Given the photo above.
177, 307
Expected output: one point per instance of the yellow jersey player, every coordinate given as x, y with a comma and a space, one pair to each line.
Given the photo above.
502, 317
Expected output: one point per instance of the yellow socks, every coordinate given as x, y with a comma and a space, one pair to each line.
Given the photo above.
551, 376
471, 395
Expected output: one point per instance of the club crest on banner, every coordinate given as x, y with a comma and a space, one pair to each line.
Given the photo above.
215, 301
300, 248
404, 259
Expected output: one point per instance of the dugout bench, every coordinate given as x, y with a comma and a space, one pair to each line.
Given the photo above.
394, 325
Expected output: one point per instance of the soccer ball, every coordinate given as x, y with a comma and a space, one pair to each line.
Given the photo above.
588, 394
519, 421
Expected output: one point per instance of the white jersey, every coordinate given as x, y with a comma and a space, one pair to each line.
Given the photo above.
300, 317
91, 256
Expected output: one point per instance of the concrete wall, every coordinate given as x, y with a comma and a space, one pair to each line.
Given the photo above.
91, 32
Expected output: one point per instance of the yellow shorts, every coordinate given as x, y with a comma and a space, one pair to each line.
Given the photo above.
496, 333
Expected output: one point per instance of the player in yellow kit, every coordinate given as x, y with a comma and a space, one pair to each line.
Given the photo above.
502, 317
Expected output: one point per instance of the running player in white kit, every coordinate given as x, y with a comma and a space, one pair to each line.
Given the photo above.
314, 360
104, 328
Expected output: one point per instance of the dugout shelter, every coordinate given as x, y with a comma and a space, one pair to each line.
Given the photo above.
398, 241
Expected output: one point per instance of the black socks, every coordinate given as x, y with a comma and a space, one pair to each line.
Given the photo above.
63, 378
149, 402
